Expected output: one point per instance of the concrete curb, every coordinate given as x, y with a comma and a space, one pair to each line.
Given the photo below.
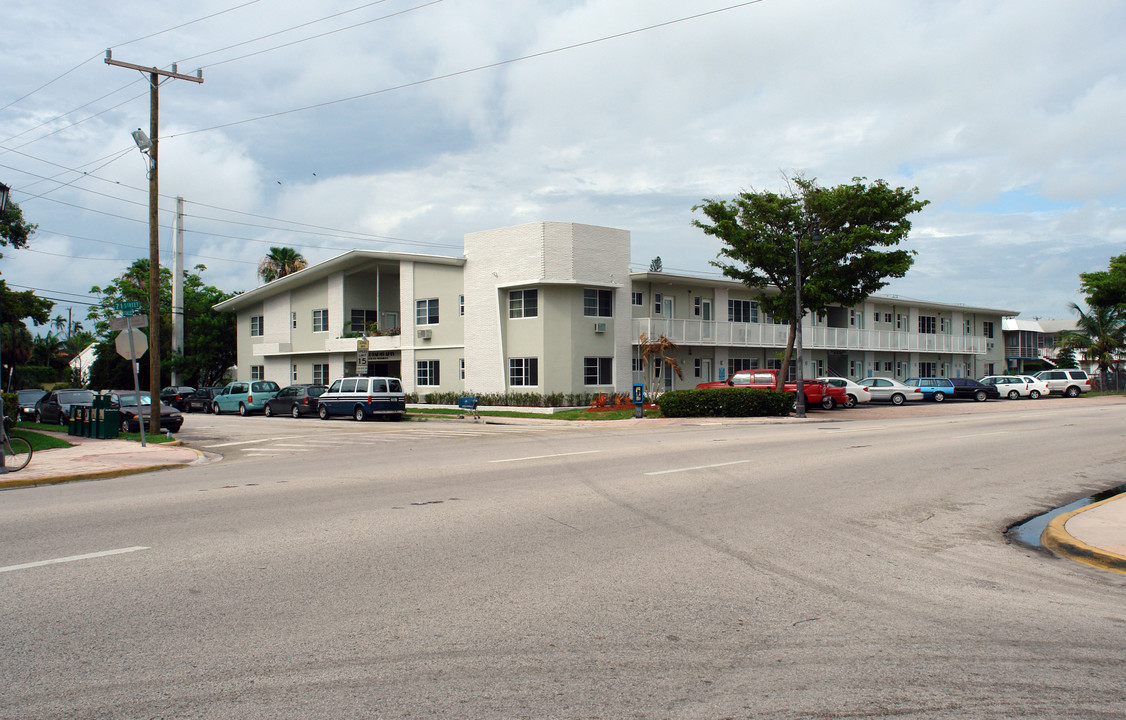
100, 475
1056, 538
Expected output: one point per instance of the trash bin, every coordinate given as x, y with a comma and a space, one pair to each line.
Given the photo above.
111, 423
87, 420
73, 425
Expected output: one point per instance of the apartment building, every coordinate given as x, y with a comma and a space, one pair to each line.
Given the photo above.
552, 307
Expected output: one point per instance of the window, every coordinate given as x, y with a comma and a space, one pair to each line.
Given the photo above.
734, 365
636, 365
320, 373
942, 325
900, 369
696, 368
293, 373
876, 316
461, 368
598, 371
256, 325
461, 305
598, 303
887, 366
363, 320
426, 372
293, 320
320, 321
656, 303
887, 317
426, 312
853, 368
523, 303
696, 306
928, 369
988, 368
523, 371
635, 299
900, 322
928, 324
987, 329
257, 372
742, 311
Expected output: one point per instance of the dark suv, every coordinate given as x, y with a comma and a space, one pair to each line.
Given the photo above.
970, 388
295, 400
55, 405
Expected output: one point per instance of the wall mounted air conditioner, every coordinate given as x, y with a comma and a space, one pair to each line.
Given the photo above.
988, 346
599, 327
425, 334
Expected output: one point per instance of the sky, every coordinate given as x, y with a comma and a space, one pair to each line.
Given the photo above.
405, 124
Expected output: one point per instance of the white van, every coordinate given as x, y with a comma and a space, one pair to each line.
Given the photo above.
363, 396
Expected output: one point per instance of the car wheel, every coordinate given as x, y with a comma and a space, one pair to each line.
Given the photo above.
1035, 394
242, 410
980, 396
295, 411
322, 412
939, 397
267, 411
397, 417
851, 403
176, 428
898, 399
38, 417
358, 414
1072, 392
828, 403
215, 409
1013, 394
125, 426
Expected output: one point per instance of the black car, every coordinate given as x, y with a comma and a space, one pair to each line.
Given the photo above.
55, 405
126, 403
176, 395
295, 400
26, 400
200, 400
968, 388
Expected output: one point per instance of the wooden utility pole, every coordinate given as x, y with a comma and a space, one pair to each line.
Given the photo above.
154, 229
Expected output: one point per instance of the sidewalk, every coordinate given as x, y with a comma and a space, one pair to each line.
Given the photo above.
91, 459
1094, 535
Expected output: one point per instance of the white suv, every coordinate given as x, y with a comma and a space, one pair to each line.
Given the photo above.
1066, 382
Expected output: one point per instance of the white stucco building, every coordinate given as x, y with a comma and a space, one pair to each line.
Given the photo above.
552, 307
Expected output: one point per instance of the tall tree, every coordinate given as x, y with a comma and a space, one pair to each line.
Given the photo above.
1100, 336
1106, 288
279, 262
14, 231
845, 237
209, 337
16, 341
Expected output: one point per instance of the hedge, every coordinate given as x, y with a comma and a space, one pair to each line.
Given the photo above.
507, 399
725, 402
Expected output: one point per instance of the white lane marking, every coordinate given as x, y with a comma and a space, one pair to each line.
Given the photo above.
697, 467
999, 432
251, 442
72, 558
543, 457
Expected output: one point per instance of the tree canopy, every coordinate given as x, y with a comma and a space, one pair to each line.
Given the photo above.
16, 340
1099, 335
209, 336
846, 237
1106, 288
279, 262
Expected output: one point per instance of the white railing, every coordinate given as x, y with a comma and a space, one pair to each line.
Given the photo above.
699, 332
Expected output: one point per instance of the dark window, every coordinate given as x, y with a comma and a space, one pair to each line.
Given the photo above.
598, 303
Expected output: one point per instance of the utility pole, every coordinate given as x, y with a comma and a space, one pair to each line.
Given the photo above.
155, 75
178, 287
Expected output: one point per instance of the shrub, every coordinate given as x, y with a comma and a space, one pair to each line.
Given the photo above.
725, 402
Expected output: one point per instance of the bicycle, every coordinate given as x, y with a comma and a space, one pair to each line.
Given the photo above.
17, 452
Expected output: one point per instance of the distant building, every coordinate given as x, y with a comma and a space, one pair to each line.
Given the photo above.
552, 307
81, 363
1029, 343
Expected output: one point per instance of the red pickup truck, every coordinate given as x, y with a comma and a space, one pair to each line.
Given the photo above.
817, 393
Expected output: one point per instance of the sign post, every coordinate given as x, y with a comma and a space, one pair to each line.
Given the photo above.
128, 342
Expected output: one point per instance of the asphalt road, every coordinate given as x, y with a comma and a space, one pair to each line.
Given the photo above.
847, 566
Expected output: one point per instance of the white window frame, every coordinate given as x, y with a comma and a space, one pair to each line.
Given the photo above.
518, 305
320, 320
257, 323
600, 369
426, 311
427, 373
598, 309
320, 373
524, 372
257, 372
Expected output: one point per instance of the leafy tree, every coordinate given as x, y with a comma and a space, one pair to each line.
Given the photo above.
16, 341
1100, 336
279, 262
845, 237
1065, 358
14, 231
1106, 288
655, 265
209, 337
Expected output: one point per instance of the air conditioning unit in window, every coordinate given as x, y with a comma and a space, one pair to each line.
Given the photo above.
599, 327
425, 334
988, 346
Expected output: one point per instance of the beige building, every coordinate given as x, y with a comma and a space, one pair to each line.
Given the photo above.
552, 307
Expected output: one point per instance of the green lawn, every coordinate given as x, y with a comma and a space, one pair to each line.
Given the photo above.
161, 438
38, 440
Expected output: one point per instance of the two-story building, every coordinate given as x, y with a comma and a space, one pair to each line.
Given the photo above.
552, 307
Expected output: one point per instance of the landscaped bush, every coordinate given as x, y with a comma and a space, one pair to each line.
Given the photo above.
725, 402
508, 399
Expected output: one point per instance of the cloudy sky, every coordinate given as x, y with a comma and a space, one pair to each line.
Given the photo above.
404, 124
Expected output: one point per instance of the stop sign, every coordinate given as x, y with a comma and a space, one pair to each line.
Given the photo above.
140, 343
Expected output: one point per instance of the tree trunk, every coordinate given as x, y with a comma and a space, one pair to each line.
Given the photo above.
786, 357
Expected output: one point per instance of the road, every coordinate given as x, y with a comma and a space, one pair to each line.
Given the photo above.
836, 567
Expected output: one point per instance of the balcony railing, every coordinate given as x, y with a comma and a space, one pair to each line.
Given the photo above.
714, 333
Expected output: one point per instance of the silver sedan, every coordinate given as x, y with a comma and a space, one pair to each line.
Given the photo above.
888, 390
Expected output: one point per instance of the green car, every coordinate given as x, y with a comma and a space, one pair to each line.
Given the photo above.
244, 397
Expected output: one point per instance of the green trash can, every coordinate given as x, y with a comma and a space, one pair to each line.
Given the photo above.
72, 422
87, 421
109, 423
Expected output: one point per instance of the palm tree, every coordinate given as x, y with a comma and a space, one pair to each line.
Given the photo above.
1100, 335
656, 351
279, 262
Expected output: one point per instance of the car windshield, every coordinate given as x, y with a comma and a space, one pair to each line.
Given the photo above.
76, 396
30, 396
130, 399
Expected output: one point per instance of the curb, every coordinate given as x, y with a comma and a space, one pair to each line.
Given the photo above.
1062, 543
100, 474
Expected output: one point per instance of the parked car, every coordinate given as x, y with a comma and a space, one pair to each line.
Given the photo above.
54, 407
26, 400
968, 388
175, 396
244, 397
854, 392
817, 393
890, 390
126, 402
1069, 383
937, 389
201, 400
1017, 386
363, 396
295, 400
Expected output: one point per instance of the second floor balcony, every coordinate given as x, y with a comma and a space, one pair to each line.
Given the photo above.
732, 334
